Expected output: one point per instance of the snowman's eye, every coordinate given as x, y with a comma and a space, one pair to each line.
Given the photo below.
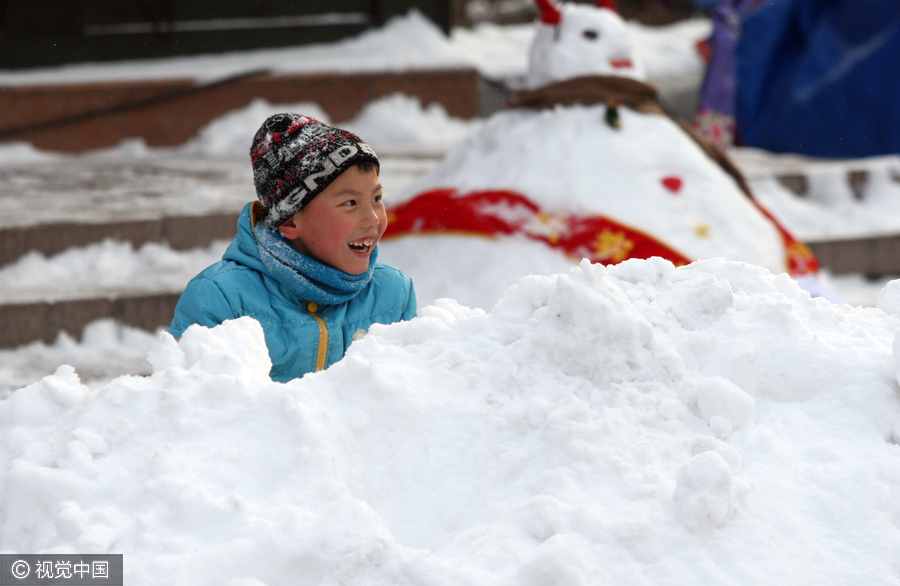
590, 34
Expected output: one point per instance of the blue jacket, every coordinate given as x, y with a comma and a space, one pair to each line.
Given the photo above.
302, 337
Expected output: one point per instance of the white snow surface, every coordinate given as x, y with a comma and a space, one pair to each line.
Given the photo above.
397, 124
638, 424
830, 210
106, 350
404, 43
109, 267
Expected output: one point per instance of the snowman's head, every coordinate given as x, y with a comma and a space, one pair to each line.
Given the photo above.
574, 40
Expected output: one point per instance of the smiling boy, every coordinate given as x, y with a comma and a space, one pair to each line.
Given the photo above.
303, 261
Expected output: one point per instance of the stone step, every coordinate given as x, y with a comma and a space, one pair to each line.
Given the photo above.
28, 322
181, 233
874, 256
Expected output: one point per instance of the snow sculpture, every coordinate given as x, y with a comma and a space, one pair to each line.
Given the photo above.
577, 40
587, 161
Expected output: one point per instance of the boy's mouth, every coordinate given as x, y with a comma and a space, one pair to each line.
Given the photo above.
362, 245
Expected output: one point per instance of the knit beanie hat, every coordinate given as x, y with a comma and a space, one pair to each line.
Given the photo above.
295, 157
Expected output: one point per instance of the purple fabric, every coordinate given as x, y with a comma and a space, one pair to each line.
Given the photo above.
718, 90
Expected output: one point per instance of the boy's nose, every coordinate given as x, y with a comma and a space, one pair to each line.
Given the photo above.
370, 217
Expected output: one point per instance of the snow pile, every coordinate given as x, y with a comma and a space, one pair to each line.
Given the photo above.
231, 134
632, 424
110, 265
404, 43
107, 349
397, 123
832, 207
855, 289
24, 153
500, 52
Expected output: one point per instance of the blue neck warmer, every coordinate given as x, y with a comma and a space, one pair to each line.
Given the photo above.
305, 277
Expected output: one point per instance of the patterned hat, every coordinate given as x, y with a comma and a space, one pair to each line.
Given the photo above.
295, 157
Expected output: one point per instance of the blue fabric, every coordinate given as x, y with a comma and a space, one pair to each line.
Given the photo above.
307, 278
241, 285
821, 78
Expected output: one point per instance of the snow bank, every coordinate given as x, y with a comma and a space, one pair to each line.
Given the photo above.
395, 124
96, 269
24, 153
832, 208
106, 350
633, 424
398, 123
231, 134
404, 43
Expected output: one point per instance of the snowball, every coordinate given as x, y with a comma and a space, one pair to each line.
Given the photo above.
889, 298
704, 494
71, 520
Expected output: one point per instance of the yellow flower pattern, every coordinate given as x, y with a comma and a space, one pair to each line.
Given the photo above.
612, 246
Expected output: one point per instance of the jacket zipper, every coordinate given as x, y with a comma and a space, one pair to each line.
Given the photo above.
323, 336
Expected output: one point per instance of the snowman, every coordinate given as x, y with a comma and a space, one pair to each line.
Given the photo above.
587, 163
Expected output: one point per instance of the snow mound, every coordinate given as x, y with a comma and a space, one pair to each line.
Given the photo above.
399, 123
628, 424
101, 268
105, 351
231, 134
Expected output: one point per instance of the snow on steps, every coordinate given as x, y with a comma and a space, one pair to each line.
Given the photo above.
846, 211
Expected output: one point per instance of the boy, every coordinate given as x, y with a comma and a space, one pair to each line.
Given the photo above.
303, 261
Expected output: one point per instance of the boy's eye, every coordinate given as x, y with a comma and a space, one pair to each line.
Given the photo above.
377, 198
349, 202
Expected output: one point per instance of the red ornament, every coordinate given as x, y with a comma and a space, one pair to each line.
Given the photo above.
550, 14
672, 183
609, 4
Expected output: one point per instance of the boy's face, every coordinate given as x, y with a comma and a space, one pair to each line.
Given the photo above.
341, 226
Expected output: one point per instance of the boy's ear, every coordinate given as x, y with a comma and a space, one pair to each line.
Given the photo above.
289, 229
